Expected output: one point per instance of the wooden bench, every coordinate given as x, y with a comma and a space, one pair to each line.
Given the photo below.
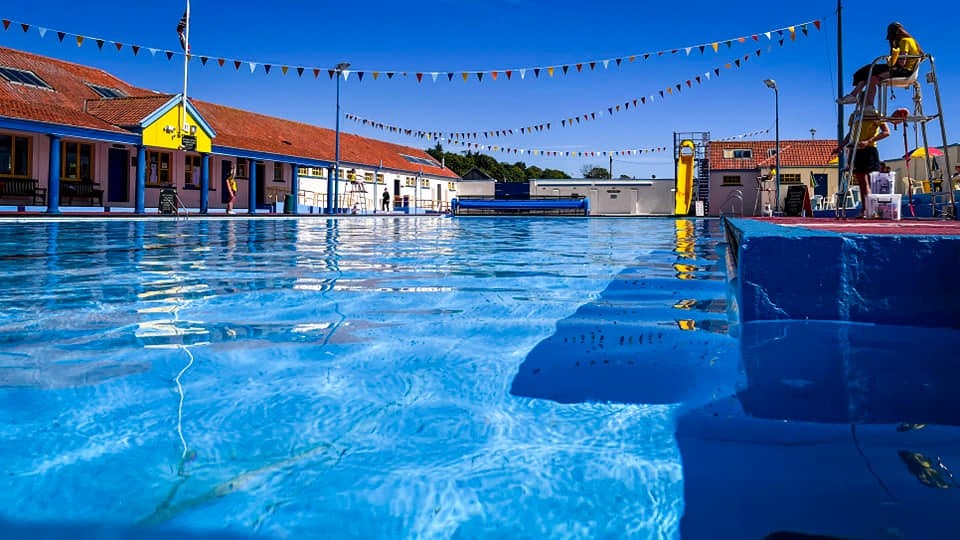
84, 190
23, 188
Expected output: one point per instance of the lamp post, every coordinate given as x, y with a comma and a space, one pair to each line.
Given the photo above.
332, 193
776, 93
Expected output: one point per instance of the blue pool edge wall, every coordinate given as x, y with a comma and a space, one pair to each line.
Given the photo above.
794, 273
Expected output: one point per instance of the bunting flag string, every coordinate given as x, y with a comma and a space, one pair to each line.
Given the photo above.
553, 153
508, 74
676, 89
743, 135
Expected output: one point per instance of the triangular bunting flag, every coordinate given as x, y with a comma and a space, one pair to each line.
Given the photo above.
450, 76
536, 73
717, 71
390, 75
550, 71
79, 41
100, 44
25, 26
618, 60
434, 76
284, 69
316, 73
266, 68
118, 46
494, 75
6, 24
43, 32
523, 74
781, 42
741, 39
153, 52
169, 55
419, 77
253, 66
816, 24
565, 68
768, 35
688, 50
330, 72
203, 60
803, 28
715, 46
61, 35
479, 75
220, 61
466, 76
702, 47
509, 73
237, 64
755, 37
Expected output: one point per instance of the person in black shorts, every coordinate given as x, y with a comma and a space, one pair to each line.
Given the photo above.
867, 158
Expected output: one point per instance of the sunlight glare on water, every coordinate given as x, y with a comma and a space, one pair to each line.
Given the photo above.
353, 378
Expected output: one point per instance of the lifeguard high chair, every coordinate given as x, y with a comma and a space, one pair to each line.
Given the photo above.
918, 117
357, 197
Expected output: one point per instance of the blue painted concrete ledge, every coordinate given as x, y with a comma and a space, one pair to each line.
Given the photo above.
781, 272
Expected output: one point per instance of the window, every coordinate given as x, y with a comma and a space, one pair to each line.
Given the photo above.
424, 183
411, 181
106, 91
738, 153
277, 172
318, 172
420, 161
303, 171
242, 169
158, 168
26, 78
192, 170
15, 155
790, 178
771, 152
76, 162
380, 179
368, 177
451, 186
732, 180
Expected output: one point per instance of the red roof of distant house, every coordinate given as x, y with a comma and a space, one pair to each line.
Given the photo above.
793, 153
74, 103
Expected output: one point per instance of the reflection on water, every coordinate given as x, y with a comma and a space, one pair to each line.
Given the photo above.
837, 429
283, 377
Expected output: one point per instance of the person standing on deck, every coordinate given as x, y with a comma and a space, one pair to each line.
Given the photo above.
231, 191
385, 201
867, 159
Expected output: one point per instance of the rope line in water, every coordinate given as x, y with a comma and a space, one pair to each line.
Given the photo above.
183, 441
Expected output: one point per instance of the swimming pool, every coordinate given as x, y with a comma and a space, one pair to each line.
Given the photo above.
448, 378
356, 378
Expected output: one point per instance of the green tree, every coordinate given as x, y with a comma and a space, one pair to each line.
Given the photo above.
594, 172
554, 174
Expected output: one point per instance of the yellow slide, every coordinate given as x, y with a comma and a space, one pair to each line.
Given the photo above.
684, 179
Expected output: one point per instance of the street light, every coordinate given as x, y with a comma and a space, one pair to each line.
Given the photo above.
776, 93
332, 187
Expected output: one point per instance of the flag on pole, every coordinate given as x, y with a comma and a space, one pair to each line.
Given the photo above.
182, 31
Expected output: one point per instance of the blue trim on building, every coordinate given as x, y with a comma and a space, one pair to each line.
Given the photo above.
173, 102
226, 151
45, 128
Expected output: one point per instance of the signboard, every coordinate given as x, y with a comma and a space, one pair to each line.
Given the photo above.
167, 205
189, 143
797, 201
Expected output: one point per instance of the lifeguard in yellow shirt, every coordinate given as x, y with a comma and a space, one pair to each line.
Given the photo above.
904, 57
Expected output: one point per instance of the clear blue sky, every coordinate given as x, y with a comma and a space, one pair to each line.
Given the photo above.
448, 35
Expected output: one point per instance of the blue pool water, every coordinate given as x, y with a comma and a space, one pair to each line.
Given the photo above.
447, 378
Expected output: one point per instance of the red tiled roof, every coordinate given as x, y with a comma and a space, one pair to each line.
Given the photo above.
64, 104
793, 153
73, 103
126, 111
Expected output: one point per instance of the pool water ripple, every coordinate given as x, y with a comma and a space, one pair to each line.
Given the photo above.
352, 377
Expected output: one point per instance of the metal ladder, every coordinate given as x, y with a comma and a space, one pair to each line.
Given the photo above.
917, 117
357, 197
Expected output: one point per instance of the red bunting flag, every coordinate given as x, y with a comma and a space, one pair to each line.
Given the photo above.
6, 24
26, 27
509, 73
419, 77
816, 24
579, 68
494, 75
118, 46
316, 73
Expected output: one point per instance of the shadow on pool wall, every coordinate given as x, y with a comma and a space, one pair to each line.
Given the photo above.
835, 432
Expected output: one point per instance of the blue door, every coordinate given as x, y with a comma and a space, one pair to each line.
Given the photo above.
118, 175
821, 185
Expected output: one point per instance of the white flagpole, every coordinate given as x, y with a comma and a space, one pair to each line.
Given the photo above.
186, 63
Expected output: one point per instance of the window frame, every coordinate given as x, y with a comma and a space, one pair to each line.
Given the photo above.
13, 155
64, 161
791, 178
192, 165
23, 77
725, 180
161, 172
278, 172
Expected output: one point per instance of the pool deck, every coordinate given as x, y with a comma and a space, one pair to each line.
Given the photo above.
870, 271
